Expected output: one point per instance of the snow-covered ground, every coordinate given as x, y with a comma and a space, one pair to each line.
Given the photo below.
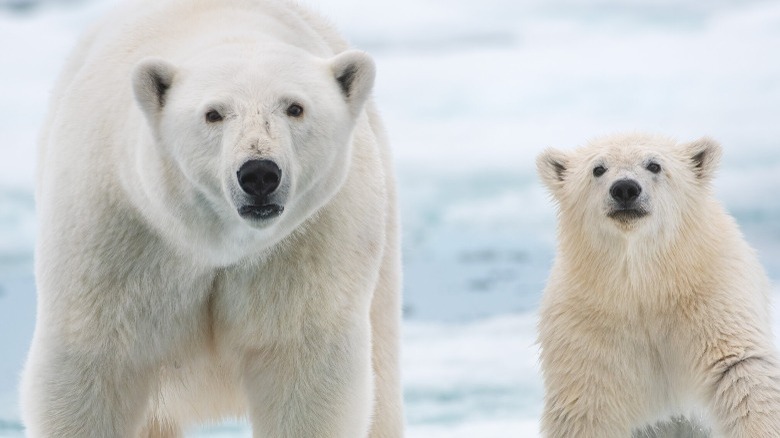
471, 92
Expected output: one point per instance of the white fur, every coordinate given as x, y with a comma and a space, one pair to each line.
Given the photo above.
159, 306
657, 316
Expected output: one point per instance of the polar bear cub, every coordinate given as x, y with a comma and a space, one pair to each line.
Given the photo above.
655, 305
218, 231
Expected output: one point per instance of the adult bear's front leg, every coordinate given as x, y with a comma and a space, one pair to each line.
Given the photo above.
86, 395
103, 334
317, 386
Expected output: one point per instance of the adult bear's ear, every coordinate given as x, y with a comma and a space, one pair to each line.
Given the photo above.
703, 157
152, 78
552, 167
354, 72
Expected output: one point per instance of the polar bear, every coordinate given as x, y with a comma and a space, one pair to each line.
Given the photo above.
655, 305
218, 233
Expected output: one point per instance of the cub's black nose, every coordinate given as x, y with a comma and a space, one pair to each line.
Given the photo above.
259, 178
625, 191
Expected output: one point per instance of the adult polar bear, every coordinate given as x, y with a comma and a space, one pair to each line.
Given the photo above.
218, 234
655, 304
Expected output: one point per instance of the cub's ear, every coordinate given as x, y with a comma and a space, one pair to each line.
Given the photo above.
354, 71
552, 166
152, 78
704, 157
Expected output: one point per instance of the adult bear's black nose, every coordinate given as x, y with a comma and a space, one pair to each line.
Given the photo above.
259, 178
625, 191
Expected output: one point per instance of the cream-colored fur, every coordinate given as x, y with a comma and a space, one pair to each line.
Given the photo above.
648, 317
159, 305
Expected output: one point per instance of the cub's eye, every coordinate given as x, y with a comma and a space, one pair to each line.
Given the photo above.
213, 116
599, 170
295, 110
654, 167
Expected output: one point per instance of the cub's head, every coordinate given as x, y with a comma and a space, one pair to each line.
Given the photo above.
254, 138
631, 183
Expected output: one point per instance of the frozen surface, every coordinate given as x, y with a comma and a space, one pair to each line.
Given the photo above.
471, 92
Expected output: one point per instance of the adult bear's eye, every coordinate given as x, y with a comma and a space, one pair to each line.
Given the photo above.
599, 170
295, 110
654, 167
213, 116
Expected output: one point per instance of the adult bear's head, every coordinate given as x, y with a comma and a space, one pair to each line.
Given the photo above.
263, 135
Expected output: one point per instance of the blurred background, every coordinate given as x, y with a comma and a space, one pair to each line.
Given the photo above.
470, 92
